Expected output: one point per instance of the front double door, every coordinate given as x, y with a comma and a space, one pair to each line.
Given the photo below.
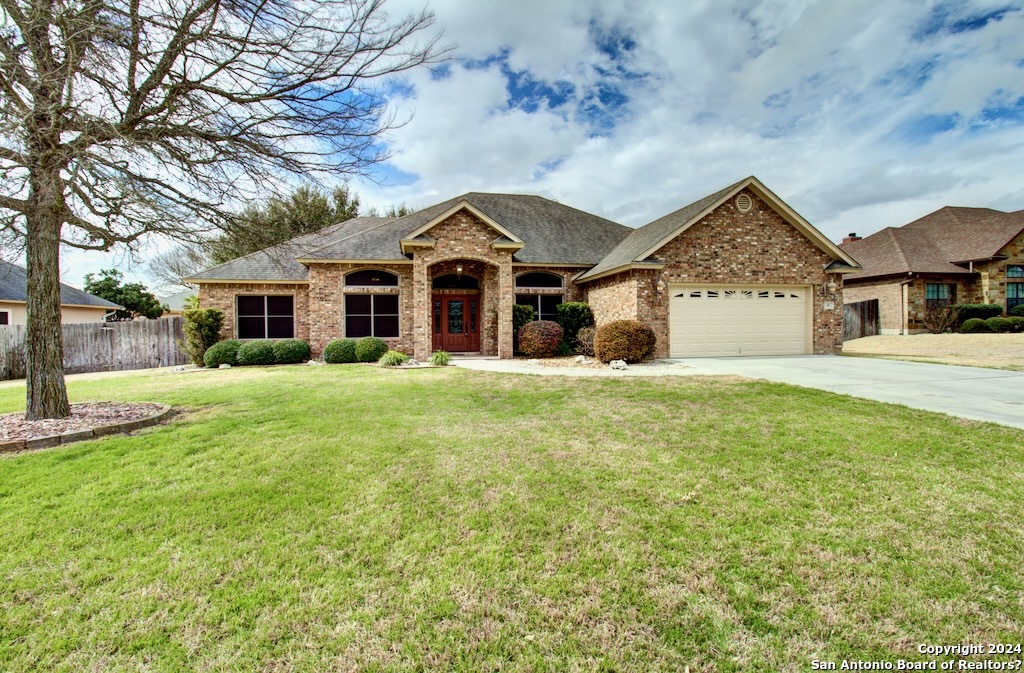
456, 322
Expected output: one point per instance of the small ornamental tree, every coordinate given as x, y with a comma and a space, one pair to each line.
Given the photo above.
202, 328
137, 300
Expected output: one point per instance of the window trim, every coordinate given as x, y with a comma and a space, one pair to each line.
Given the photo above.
373, 314
266, 317
398, 279
935, 302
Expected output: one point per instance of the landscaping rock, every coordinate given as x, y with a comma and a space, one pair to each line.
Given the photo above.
412, 362
179, 369
618, 364
582, 359
316, 363
224, 366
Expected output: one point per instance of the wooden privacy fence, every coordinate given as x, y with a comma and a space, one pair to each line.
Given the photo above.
100, 347
860, 319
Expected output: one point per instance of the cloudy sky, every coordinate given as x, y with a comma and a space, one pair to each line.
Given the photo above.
860, 114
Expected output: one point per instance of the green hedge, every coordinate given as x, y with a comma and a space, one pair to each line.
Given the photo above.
256, 353
999, 324
972, 325
290, 351
340, 351
370, 349
967, 312
573, 316
222, 353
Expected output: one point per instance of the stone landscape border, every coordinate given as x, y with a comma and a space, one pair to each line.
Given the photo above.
16, 445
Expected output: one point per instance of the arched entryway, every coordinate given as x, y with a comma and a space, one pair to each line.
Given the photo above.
455, 312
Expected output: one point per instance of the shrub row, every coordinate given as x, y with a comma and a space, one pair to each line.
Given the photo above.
367, 349
238, 353
994, 324
965, 312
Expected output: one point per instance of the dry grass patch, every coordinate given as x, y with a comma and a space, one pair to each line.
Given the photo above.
996, 351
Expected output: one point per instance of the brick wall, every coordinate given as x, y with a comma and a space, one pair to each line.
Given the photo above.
993, 275
222, 296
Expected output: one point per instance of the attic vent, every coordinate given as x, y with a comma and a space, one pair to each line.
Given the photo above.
744, 203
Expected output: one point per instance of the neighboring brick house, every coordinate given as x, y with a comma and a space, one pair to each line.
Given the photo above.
735, 273
954, 255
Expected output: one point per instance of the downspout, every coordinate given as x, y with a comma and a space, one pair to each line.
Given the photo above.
905, 306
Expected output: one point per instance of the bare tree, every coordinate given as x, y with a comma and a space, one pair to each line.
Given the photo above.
120, 119
179, 262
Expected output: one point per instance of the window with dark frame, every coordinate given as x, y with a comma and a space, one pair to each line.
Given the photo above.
371, 314
544, 304
1014, 289
939, 294
265, 316
5, 317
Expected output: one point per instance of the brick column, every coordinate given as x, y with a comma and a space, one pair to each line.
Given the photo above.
421, 310
506, 298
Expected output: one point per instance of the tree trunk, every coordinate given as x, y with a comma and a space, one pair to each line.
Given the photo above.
46, 396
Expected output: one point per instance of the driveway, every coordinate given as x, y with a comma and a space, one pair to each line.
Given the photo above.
969, 392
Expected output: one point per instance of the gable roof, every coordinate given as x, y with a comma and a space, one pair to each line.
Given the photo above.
944, 241
638, 247
548, 232
14, 287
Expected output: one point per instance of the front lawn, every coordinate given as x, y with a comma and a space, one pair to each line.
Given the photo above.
351, 518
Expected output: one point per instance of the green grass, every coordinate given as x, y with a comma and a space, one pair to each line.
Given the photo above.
349, 517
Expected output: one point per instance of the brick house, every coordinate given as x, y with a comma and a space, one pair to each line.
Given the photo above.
951, 256
735, 273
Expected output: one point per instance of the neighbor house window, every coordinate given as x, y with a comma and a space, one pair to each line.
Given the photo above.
1014, 289
541, 291
939, 294
266, 316
5, 317
369, 313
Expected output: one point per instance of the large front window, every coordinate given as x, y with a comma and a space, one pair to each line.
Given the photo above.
939, 294
540, 290
370, 312
1014, 288
266, 316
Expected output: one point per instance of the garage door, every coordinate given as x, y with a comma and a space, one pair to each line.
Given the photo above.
738, 320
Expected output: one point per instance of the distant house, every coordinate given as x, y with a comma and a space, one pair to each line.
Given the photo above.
175, 303
951, 256
76, 306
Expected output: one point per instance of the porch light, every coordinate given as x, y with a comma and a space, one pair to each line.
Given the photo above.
458, 269
660, 285
832, 287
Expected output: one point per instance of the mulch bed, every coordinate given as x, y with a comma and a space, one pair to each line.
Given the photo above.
83, 417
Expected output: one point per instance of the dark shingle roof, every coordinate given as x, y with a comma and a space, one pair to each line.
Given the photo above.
630, 250
14, 287
553, 233
934, 242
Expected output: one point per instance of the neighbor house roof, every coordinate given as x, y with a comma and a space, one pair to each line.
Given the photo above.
642, 244
942, 242
14, 287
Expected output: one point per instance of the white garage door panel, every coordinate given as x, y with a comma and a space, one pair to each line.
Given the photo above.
732, 320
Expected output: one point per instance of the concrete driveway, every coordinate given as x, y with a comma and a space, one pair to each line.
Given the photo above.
969, 392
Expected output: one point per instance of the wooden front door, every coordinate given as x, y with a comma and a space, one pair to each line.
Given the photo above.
456, 322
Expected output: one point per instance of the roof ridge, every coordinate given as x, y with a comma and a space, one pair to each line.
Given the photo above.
899, 247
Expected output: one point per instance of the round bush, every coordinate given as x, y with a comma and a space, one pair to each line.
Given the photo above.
256, 353
290, 351
222, 353
1017, 311
340, 351
369, 349
999, 324
628, 340
540, 338
1016, 323
393, 359
974, 325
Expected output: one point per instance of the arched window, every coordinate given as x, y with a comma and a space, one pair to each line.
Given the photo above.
541, 291
539, 279
371, 278
371, 313
453, 281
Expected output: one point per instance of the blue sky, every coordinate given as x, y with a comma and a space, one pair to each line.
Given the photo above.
861, 114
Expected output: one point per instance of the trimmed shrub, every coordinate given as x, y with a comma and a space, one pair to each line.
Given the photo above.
540, 338
440, 358
974, 325
628, 340
256, 353
201, 327
585, 341
369, 349
573, 316
392, 359
1017, 311
340, 351
1016, 323
222, 353
999, 324
290, 351
983, 311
